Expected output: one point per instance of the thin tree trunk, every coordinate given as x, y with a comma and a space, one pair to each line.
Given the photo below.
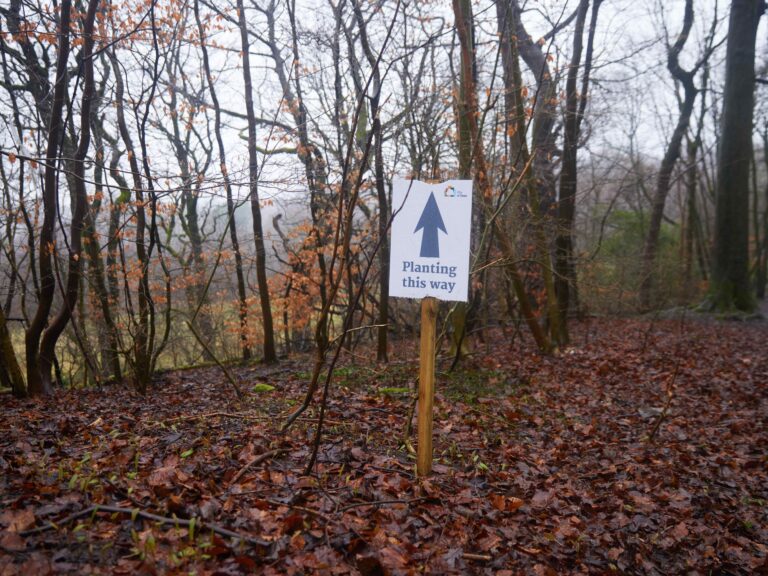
691, 216
240, 276
194, 266
36, 382
110, 345
253, 172
141, 359
10, 372
575, 103
672, 154
484, 184
761, 275
8, 243
381, 193
467, 71
153, 347
80, 205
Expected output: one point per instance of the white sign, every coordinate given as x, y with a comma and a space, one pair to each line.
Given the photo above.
430, 239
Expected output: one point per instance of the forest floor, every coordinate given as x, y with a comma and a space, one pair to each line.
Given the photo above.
643, 449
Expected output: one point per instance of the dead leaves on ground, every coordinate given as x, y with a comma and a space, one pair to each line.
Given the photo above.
543, 466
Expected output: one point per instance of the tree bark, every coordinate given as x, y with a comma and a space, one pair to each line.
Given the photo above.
36, 382
671, 156
10, 372
730, 288
253, 172
575, 102
381, 193
240, 276
80, 206
484, 184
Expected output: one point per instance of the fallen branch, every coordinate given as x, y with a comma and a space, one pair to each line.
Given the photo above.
256, 461
478, 557
670, 385
218, 415
665, 410
382, 503
138, 513
239, 416
301, 509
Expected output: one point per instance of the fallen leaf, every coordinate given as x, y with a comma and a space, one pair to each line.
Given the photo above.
18, 520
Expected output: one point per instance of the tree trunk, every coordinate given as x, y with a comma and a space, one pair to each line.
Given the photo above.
575, 102
193, 266
253, 173
515, 130
761, 274
543, 137
691, 217
10, 372
730, 288
36, 383
141, 355
484, 185
381, 193
466, 82
240, 276
80, 206
110, 346
672, 154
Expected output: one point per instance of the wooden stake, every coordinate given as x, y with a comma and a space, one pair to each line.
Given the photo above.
426, 385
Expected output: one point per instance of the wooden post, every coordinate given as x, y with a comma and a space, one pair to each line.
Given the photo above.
426, 385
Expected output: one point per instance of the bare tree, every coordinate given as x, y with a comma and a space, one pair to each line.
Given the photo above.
664, 178
253, 174
80, 208
37, 383
232, 223
575, 104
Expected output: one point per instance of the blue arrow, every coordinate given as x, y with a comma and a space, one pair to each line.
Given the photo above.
431, 221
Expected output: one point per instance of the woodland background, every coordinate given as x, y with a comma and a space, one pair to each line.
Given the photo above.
196, 200
184, 181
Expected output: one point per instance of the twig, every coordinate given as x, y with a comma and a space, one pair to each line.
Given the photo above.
382, 503
256, 461
240, 416
670, 395
479, 557
205, 346
138, 513
409, 428
121, 492
395, 470
219, 415
670, 384
301, 509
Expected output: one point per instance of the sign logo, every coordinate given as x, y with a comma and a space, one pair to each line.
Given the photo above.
451, 192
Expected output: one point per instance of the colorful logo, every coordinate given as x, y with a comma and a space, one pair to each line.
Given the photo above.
451, 192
